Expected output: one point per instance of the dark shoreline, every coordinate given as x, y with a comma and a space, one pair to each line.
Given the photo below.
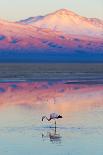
54, 71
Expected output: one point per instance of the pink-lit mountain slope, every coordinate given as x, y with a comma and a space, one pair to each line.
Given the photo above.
69, 23
17, 37
66, 41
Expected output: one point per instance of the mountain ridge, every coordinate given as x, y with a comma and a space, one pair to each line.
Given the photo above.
35, 42
68, 22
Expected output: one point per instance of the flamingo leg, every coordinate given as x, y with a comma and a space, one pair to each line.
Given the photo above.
55, 124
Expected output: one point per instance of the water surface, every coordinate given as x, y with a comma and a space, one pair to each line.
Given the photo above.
22, 104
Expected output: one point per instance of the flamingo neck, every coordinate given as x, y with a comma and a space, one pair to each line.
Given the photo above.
48, 118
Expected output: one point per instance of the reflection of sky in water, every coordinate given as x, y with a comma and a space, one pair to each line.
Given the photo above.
80, 132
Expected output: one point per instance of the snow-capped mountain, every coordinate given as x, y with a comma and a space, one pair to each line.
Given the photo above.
60, 36
68, 22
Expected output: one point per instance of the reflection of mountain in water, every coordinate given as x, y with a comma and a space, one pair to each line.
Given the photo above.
53, 136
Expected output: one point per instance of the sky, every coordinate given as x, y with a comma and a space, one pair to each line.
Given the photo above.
20, 9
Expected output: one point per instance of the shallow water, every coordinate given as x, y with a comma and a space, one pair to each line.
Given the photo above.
79, 132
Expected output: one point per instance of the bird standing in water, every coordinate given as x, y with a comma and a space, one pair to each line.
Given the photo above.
53, 116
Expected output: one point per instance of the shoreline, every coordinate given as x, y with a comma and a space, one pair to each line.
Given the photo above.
55, 71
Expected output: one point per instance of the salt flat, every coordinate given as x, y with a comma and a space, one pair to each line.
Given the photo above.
43, 71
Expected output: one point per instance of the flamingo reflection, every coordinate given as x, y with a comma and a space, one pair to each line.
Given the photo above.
53, 136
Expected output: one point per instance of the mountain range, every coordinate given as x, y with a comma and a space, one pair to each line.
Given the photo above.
61, 36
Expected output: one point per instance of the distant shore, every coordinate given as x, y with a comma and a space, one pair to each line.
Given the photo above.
44, 71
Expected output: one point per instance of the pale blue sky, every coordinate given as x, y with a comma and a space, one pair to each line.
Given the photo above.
20, 9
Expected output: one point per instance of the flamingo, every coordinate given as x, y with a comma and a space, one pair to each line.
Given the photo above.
53, 116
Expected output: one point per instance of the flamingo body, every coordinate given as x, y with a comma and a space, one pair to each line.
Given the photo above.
52, 116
